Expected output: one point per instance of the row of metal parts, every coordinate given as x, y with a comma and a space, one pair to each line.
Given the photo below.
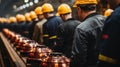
37, 54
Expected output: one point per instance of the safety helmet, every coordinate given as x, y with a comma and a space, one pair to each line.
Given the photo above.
47, 8
5, 20
20, 17
64, 8
33, 15
12, 19
108, 12
85, 2
1, 20
38, 10
27, 16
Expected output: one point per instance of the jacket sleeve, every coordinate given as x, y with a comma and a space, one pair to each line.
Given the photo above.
45, 34
59, 39
36, 33
79, 49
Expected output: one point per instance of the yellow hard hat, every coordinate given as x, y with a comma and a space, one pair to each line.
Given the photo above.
85, 2
108, 12
64, 8
47, 8
5, 20
20, 17
12, 19
33, 15
1, 20
27, 16
38, 10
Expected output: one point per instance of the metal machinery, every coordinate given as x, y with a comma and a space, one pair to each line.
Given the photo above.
19, 51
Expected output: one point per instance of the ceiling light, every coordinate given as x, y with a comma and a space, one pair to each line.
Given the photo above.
31, 3
36, 1
14, 6
26, 1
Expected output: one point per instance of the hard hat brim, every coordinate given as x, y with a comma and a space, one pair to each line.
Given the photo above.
82, 3
75, 4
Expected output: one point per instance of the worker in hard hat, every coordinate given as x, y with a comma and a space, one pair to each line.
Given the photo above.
27, 25
3, 23
20, 27
50, 26
108, 12
38, 29
28, 18
87, 35
65, 31
109, 54
35, 20
33, 16
12, 23
12, 19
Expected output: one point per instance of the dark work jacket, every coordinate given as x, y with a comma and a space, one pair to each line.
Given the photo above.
26, 31
1, 26
6, 25
87, 36
19, 27
111, 39
65, 34
12, 26
31, 27
26, 28
50, 28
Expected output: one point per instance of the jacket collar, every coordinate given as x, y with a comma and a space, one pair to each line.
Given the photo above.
50, 17
93, 14
70, 19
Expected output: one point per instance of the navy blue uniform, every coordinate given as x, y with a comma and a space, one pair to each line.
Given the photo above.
110, 51
19, 27
26, 29
12, 26
49, 30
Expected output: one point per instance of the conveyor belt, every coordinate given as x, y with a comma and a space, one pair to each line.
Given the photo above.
14, 58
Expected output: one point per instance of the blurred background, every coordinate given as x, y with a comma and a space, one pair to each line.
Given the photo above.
13, 7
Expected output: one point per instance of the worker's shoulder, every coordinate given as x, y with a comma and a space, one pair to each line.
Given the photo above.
92, 22
114, 17
55, 18
115, 14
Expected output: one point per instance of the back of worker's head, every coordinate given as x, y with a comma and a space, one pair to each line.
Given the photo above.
64, 11
20, 18
85, 8
47, 10
12, 19
28, 18
39, 12
47, 7
33, 15
4, 20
